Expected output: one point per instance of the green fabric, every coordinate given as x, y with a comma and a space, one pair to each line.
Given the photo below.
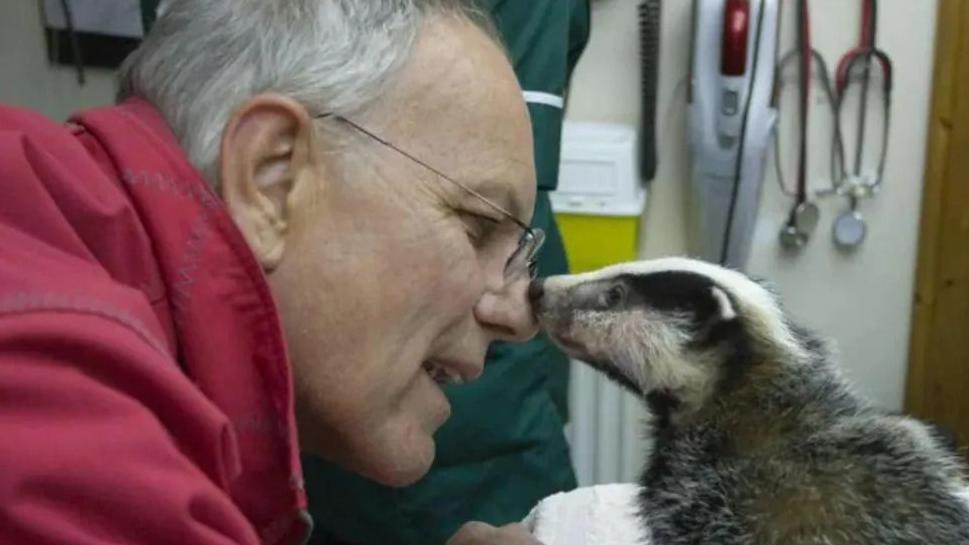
545, 39
503, 449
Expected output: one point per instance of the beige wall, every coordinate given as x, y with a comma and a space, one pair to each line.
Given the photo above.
863, 301
27, 79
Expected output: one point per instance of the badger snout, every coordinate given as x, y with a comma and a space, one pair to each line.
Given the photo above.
575, 313
554, 311
546, 304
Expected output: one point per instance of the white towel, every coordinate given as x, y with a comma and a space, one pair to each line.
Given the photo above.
595, 515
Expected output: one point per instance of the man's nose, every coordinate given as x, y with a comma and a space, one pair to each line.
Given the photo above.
507, 312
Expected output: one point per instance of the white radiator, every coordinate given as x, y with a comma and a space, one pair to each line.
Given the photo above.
606, 430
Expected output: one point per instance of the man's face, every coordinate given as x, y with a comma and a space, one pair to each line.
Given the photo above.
388, 268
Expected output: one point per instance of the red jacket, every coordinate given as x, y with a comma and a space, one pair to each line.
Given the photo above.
145, 394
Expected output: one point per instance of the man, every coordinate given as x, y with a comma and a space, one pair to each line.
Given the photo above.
503, 450
302, 214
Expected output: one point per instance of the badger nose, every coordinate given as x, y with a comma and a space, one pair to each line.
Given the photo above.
536, 290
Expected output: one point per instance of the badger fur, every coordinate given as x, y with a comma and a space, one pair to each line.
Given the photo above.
758, 438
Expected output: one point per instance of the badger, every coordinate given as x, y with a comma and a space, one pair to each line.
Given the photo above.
757, 437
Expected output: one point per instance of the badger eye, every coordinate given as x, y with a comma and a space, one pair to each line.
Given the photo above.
613, 296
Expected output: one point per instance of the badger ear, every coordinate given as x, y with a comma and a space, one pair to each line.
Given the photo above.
726, 310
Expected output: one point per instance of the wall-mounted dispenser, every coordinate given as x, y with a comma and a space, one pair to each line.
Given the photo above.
731, 122
600, 196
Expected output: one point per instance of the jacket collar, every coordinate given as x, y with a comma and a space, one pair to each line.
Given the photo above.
229, 338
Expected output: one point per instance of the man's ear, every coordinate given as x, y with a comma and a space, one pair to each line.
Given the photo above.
267, 147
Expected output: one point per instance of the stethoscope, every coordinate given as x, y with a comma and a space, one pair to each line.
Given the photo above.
804, 215
849, 229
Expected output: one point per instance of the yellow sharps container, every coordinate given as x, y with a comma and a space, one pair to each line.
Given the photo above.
600, 198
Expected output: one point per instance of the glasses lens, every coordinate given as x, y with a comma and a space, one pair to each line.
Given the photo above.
523, 260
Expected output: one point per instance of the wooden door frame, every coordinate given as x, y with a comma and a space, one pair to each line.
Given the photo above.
950, 104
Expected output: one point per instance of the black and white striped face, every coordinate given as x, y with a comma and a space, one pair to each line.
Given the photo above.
655, 325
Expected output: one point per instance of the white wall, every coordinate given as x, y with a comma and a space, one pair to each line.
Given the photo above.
28, 80
863, 300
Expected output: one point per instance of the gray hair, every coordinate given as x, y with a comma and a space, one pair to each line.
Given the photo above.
203, 58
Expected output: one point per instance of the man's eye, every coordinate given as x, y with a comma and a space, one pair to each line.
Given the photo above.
479, 228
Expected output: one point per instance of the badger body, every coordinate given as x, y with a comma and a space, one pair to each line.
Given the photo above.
758, 439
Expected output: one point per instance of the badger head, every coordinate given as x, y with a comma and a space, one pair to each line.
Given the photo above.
672, 327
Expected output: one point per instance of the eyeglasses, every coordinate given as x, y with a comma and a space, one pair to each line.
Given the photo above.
523, 259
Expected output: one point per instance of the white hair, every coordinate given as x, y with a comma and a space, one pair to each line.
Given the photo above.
203, 58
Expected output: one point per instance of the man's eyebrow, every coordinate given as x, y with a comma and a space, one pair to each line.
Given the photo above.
500, 192
515, 204
483, 217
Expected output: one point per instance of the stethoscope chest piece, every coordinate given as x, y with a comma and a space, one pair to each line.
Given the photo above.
806, 217
792, 239
798, 230
849, 230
